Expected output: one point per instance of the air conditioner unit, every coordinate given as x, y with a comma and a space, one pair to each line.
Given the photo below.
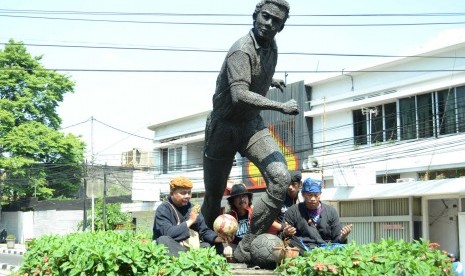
402, 180
310, 163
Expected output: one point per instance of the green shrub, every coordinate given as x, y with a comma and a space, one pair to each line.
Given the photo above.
387, 257
115, 253
202, 261
115, 218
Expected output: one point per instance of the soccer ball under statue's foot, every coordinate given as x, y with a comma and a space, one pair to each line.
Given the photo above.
261, 251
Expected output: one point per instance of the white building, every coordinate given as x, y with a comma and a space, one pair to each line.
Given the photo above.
401, 123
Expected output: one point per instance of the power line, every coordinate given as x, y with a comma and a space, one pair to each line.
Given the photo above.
231, 24
223, 51
126, 132
226, 14
216, 71
80, 123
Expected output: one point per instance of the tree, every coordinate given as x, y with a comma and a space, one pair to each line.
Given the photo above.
37, 159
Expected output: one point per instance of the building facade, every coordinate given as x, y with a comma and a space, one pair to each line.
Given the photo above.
390, 141
387, 140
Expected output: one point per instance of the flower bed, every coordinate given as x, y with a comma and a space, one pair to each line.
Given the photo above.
387, 257
115, 253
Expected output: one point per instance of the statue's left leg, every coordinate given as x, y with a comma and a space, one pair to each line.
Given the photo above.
266, 155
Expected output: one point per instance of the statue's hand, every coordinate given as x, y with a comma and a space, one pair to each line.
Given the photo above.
278, 84
290, 107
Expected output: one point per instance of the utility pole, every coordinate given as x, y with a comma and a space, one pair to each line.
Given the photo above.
92, 159
84, 224
104, 211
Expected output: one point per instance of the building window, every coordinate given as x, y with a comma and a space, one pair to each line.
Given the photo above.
171, 159
446, 112
460, 100
360, 128
375, 124
425, 116
421, 116
442, 174
432, 114
387, 178
407, 118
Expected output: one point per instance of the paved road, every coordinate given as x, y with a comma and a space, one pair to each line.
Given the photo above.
11, 259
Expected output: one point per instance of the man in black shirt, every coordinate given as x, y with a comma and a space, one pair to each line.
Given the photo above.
313, 223
176, 219
292, 195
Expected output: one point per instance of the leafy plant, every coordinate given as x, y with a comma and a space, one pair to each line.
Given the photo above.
115, 253
115, 217
98, 253
201, 261
10, 237
387, 257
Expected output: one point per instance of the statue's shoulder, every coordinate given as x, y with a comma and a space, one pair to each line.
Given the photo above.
244, 44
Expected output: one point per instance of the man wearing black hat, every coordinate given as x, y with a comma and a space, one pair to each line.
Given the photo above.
240, 202
313, 223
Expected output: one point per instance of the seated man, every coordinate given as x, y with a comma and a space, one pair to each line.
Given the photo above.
240, 202
313, 223
176, 219
292, 197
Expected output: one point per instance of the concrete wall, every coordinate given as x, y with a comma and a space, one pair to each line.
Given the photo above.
56, 222
9, 222
33, 224
144, 221
443, 223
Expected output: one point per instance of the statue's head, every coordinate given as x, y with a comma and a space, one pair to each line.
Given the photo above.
275, 8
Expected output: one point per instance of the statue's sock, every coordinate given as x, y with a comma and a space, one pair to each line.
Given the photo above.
242, 252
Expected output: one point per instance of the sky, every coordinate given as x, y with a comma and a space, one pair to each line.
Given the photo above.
132, 69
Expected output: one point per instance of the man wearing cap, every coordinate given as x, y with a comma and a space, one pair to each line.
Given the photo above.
177, 218
313, 223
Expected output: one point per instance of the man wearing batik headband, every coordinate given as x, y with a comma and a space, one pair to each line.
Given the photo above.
176, 217
313, 223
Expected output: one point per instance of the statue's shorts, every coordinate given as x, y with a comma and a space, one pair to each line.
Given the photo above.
224, 138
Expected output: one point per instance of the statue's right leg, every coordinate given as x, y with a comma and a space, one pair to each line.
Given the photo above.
215, 173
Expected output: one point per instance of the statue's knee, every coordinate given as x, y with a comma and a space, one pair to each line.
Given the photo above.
279, 182
281, 178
